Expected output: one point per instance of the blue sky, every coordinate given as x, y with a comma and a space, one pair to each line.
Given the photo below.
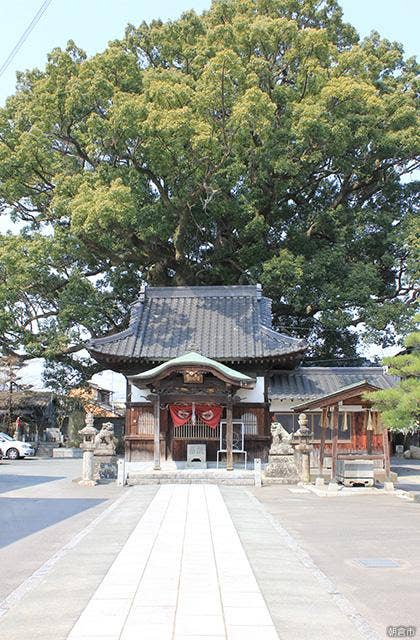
92, 23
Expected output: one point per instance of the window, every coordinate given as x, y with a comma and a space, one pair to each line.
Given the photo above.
314, 424
146, 423
290, 422
104, 397
250, 423
345, 426
287, 420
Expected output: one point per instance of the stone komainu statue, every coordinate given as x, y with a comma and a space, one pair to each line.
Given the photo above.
281, 439
105, 441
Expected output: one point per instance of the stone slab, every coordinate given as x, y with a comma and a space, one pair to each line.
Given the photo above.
192, 476
188, 554
70, 452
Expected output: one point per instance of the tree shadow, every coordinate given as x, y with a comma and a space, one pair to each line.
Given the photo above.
21, 517
11, 481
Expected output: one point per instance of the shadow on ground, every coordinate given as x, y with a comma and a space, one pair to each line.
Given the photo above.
406, 486
11, 481
20, 517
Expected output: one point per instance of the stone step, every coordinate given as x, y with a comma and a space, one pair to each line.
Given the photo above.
45, 449
191, 478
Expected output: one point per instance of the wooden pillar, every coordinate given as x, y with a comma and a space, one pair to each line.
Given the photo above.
267, 414
128, 419
324, 424
387, 464
229, 435
156, 439
334, 442
367, 422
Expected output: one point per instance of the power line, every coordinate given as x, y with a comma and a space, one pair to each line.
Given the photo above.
37, 17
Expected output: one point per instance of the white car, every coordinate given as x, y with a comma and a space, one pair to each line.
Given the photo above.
14, 449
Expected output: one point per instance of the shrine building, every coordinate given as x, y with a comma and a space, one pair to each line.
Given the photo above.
205, 366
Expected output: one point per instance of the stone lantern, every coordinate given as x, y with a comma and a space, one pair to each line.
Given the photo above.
88, 444
304, 447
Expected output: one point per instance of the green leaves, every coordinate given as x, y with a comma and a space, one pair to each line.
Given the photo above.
106, 210
400, 406
260, 141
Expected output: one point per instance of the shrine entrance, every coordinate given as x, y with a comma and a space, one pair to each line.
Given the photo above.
195, 395
194, 431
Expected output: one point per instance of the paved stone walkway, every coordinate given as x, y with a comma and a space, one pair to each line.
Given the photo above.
182, 574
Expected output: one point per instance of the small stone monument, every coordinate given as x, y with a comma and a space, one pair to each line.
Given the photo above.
281, 459
105, 460
88, 434
196, 456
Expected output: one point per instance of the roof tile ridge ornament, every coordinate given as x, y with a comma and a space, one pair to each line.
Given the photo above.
136, 309
137, 306
140, 310
203, 291
283, 337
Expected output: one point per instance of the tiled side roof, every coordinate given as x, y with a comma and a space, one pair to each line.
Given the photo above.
26, 398
313, 382
223, 323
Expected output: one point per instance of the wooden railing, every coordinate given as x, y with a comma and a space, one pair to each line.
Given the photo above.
198, 430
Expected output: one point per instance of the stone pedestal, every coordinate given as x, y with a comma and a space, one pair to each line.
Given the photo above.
282, 465
105, 467
257, 472
87, 470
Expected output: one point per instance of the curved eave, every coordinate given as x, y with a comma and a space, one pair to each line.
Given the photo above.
196, 362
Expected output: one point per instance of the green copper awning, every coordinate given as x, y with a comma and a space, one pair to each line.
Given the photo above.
194, 359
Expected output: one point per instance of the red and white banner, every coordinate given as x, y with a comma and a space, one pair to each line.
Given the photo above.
209, 414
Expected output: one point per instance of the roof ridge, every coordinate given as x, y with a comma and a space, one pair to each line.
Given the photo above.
113, 337
203, 291
340, 369
142, 310
278, 335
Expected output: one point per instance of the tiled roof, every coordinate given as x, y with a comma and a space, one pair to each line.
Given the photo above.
231, 323
25, 399
313, 382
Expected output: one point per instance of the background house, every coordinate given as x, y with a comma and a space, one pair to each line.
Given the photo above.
36, 411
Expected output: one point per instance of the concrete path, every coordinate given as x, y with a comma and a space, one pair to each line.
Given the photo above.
199, 561
304, 603
182, 574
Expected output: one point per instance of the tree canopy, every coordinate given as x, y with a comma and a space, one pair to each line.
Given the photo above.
261, 141
400, 406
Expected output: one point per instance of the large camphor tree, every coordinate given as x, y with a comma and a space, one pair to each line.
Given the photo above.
259, 142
